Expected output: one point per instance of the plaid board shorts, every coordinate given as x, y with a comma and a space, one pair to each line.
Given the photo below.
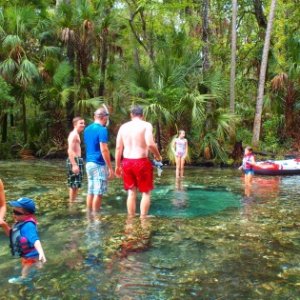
97, 178
75, 180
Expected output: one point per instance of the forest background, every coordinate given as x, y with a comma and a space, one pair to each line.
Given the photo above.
196, 65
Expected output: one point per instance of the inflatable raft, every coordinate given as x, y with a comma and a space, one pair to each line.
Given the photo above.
278, 167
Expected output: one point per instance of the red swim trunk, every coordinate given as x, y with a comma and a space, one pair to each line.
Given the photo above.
138, 173
29, 261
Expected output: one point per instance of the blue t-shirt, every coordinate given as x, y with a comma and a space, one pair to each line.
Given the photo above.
29, 231
95, 134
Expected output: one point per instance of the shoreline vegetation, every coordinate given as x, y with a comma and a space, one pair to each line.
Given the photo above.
189, 67
229, 163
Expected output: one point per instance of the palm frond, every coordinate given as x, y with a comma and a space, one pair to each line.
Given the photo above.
62, 74
51, 51
27, 72
11, 42
92, 103
8, 67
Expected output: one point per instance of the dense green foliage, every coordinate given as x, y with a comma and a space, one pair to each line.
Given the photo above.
64, 58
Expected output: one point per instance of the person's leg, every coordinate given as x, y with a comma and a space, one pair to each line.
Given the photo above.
177, 161
131, 202
182, 161
25, 270
97, 200
89, 201
248, 178
73, 194
145, 204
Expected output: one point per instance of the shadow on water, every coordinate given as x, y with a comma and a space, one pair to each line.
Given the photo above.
210, 237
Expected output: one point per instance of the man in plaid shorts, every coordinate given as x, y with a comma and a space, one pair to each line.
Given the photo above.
74, 161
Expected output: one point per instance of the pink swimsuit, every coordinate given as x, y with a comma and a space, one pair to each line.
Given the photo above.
180, 146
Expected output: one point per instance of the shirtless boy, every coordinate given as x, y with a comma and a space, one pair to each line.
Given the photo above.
74, 161
134, 141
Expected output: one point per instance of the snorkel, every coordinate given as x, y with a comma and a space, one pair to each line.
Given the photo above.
107, 111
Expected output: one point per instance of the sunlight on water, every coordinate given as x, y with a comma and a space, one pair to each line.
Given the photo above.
208, 238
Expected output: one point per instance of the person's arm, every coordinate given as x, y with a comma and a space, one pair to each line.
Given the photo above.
5, 227
39, 249
106, 156
186, 149
150, 142
118, 153
2, 201
72, 140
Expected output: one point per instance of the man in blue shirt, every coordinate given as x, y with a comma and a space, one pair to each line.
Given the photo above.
98, 164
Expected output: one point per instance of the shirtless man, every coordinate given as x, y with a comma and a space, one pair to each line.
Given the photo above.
74, 161
134, 141
2, 201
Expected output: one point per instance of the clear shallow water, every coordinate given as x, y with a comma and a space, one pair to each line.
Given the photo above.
209, 238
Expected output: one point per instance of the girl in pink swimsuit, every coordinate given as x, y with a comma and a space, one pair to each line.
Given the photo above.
180, 148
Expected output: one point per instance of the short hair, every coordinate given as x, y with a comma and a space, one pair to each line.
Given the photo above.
249, 148
75, 120
136, 110
101, 112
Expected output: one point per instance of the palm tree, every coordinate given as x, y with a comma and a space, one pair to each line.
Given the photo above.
262, 77
233, 55
6, 102
18, 67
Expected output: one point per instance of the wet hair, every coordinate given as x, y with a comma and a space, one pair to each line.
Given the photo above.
75, 120
136, 110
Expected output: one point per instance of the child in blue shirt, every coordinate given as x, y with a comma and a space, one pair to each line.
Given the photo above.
24, 239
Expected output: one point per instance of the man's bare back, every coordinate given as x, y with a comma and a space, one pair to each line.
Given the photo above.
136, 137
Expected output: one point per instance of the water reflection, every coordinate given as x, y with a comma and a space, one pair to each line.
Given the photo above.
180, 195
131, 273
261, 189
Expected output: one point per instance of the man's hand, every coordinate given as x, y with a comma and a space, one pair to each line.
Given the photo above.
75, 169
118, 172
158, 158
111, 173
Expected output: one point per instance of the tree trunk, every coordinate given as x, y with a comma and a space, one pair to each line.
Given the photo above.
206, 60
71, 100
24, 118
205, 33
233, 56
262, 78
290, 98
158, 137
104, 54
259, 14
4, 128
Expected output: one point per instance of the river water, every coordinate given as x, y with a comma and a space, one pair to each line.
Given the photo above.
208, 238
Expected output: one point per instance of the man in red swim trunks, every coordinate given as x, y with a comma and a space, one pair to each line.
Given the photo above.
134, 141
